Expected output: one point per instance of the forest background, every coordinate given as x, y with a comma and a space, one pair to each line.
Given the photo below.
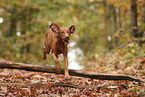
105, 33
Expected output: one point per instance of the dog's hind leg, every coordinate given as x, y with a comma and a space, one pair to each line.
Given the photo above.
44, 54
45, 51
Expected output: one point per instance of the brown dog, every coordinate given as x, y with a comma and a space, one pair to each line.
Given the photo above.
56, 40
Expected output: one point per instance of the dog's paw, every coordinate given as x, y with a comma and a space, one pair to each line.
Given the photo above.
58, 70
67, 79
44, 58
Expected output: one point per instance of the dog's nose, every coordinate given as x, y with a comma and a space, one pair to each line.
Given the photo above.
67, 36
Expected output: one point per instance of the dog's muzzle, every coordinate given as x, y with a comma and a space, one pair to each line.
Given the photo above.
66, 41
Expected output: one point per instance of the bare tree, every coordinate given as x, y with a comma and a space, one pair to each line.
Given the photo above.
134, 26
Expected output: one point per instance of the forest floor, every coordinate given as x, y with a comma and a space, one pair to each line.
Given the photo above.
129, 60
13, 82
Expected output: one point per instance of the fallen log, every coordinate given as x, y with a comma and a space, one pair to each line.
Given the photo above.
68, 84
50, 69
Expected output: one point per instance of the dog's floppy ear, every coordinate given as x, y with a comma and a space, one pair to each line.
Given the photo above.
72, 28
54, 28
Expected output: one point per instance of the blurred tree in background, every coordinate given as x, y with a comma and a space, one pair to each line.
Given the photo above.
101, 25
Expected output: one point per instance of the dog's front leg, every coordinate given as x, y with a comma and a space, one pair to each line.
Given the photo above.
66, 66
57, 62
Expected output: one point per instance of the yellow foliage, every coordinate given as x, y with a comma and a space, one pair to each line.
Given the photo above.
101, 10
119, 3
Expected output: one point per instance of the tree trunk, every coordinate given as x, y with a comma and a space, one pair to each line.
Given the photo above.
143, 19
134, 26
119, 18
108, 24
25, 48
86, 74
12, 22
115, 26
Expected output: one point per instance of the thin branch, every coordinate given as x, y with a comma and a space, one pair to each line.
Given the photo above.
54, 85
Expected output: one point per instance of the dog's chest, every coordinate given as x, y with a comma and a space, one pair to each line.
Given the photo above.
61, 47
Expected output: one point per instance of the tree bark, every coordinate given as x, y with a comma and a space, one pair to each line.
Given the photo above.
134, 26
86, 74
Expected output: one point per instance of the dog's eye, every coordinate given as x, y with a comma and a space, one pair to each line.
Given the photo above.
62, 32
68, 32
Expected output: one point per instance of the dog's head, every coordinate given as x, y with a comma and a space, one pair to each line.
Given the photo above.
63, 32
